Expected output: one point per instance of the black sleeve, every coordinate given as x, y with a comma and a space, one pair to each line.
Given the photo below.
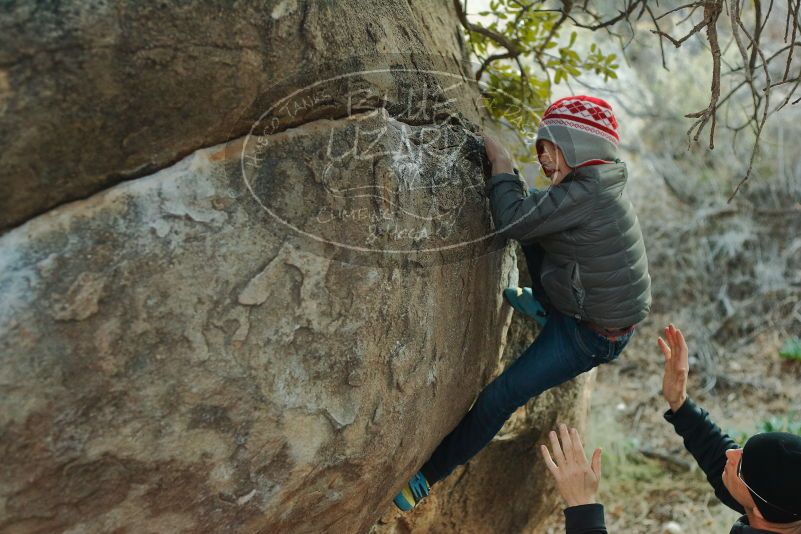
708, 445
585, 519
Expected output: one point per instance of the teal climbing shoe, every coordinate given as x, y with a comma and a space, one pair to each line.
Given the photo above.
412, 493
523, 301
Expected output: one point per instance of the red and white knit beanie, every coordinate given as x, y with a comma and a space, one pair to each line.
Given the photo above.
584, 128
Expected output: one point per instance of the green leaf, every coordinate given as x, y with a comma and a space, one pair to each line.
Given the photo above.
791, 350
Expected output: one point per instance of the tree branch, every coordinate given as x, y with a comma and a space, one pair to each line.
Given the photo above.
476, 28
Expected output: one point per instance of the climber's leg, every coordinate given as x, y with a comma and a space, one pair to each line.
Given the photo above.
555, 357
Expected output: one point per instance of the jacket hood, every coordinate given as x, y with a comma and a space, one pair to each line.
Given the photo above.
608, 174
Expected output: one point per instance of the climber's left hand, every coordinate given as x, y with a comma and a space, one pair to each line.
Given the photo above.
576, 480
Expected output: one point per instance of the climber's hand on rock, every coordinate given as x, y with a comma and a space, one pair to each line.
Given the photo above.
576, 480
499, 157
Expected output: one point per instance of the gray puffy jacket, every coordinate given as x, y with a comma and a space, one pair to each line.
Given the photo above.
595, 267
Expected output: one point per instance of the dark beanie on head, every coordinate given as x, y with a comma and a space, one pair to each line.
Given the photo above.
771, 466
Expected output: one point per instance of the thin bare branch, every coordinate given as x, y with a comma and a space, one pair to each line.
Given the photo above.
489, 59
712, 11
736, 22
794, 13
611, 22
685, 6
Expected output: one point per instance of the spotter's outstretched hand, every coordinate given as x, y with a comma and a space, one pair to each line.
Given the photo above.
677, 367
576, 480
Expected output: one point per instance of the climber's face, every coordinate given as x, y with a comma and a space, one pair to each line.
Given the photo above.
552, 161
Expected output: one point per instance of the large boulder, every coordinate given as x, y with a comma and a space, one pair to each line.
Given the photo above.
291, 294
174, 357
93, 93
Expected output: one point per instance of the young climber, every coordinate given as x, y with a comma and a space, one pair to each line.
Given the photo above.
586, 258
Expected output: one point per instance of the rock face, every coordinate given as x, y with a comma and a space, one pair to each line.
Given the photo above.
273, 331
95, 92
171, 358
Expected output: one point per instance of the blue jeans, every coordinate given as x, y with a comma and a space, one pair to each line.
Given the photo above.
564, 349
